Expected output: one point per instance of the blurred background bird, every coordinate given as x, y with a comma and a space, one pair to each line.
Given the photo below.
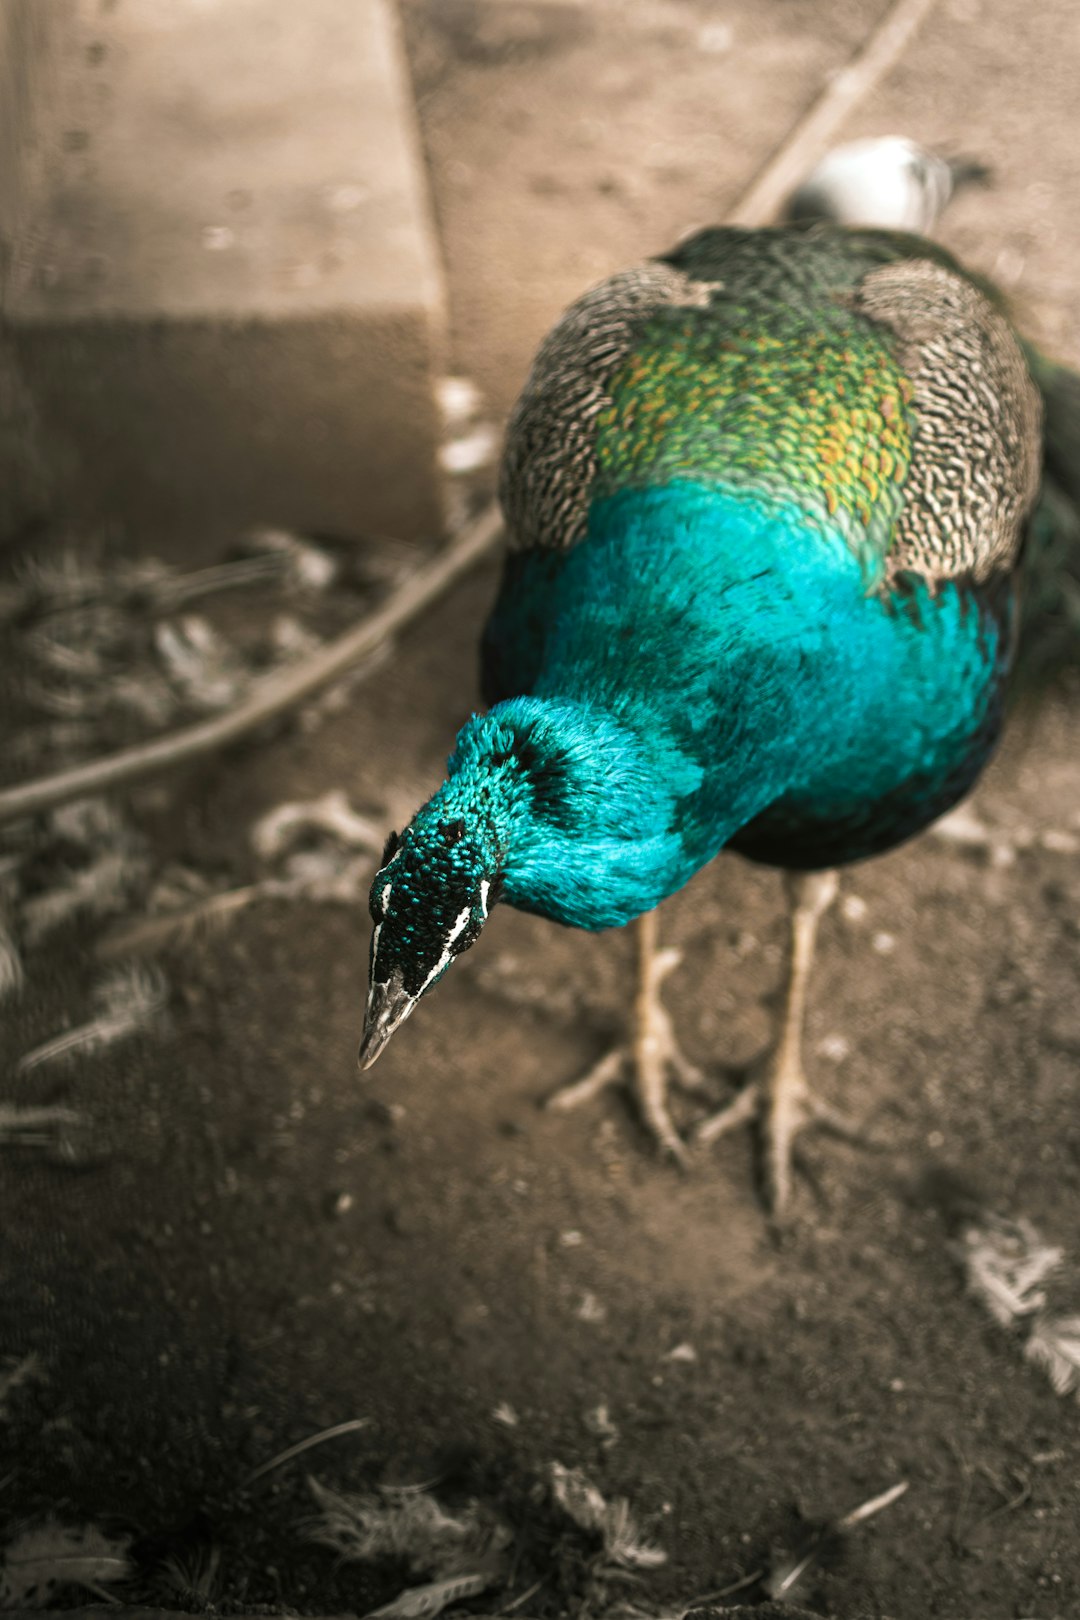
772, 500
890, 182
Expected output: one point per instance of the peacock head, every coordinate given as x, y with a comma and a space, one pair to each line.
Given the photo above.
431, 896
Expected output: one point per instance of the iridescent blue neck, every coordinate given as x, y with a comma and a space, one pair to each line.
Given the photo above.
582, 806
706, 655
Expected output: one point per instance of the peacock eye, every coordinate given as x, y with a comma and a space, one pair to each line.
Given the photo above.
390, 848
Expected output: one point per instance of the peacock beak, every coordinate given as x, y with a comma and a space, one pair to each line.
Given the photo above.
388, 1005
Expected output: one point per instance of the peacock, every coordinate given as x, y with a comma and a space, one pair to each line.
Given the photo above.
769, 501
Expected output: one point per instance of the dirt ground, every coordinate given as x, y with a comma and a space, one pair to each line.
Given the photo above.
262, 1244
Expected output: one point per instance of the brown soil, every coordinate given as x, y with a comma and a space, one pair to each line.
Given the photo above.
202, 1294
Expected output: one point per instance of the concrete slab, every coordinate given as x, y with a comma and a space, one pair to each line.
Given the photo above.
224, 290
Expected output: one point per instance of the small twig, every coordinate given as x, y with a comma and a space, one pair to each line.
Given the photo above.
154, 587
787, 1575
508, 1608
876, 1504
736, 1586
273, 695
761, 202
142, 935
33, 1126
350, 1426
1008, 1504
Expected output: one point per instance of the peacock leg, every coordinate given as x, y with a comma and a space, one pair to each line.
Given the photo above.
653, 1052
781, 1097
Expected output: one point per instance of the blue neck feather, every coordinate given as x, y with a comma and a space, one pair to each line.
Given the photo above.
708, 656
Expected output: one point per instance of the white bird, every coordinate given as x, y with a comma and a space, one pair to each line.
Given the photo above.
890, 182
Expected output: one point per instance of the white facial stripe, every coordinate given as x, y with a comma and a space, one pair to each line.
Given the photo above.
447, 955
371, 986
459, 925
443, 962
384, 899
485, 888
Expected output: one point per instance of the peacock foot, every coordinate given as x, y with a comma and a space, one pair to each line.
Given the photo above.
654, 1060
784, 1105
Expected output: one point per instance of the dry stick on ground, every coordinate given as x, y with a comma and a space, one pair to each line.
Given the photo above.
758, 205
272, 696
350, 1426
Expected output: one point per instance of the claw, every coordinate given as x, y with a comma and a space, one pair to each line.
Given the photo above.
785, 1106
653, 1058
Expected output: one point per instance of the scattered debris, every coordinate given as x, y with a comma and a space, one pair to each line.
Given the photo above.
472, 443
611, 1521
682, 1352
276, 693
964, 828
59, 1132
12, 973
392, 1522
60, 739
598, 1423
1007, 1263
290, 639
327, 874
1054, 1345
787, 1573
420, 1602
59, 583
114, 866
834, 1047
28, 1370
77, 643
182, 907
323, 876
306, 565
131, 1001
194, 1579
459, 401
41, 1559
103, 653
66, 577
338, 697
1056, 842
200, 663
350, 1426
462, 1555
507, 977
282, 828
97, 889
471, 452
590, 1309
504, 1413
91, 653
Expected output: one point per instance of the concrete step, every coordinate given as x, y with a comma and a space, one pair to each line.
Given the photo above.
222, 284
